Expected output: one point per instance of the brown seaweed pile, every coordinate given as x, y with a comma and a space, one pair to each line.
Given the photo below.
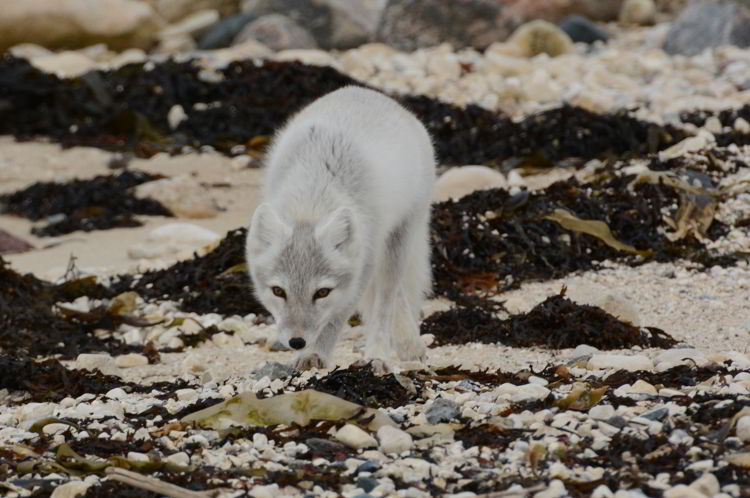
216, 282
99, 203
491, 241
49, 380
126, 109
360, 385
556, 323
30, 324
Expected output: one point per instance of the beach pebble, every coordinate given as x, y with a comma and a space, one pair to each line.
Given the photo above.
638, 12
540, 37
679, 356
131, 360
442, 410
120, 24
555, 489
354, 437
682, 491
620, 361
582, 29
71, 489
277, 32
95, 361
460, 181
707, 484
394, 440
273, 370
743, 428
524, 392
182, 195
708, 25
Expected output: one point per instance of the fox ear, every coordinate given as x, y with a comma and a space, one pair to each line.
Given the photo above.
337, 231
266, 229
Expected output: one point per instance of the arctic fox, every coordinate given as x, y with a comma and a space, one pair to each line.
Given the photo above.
344, 227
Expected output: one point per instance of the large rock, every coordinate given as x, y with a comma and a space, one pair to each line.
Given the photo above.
120, 24
174, 10
703, 26
335, 24
277, 32
556, 10
412, 24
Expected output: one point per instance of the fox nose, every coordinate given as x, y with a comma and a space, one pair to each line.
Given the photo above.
297, 343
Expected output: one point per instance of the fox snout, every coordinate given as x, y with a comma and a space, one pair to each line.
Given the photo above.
297, 343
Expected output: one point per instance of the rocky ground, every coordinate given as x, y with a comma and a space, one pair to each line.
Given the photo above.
590, 326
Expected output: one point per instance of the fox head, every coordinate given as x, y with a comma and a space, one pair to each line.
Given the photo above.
303, 272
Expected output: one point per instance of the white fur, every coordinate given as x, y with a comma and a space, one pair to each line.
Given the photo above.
347, 198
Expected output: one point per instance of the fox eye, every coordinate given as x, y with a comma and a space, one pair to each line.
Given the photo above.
321, 293
278, 292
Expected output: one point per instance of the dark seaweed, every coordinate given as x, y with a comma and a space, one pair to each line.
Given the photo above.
49, 380
360, 385
126, 109
556, 323
97, 204
200, 284
29, 324
474, 251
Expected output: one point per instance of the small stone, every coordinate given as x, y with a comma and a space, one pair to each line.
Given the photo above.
643, 387
277, 32
602, 491
460, 181
656, 414
679, 356
94, 361
682, 491
442, 410
182, 459
741, 125
526, 392
175, 116
186, 394
273, 370
707, 484
638, 12
582, 29
116, 393
368, 466
71, 489
540, 37
138, 457
602, 412
620, 362
354, 437
743, 428
142, 434
265, 491
393, 440
708, 25
556, 489
223, 32
131, 360
680, 437
366, 483
182, 195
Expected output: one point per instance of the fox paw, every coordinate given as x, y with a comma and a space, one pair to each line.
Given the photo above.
308, 362
379, 367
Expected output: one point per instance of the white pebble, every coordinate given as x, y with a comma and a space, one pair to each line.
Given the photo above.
354, 437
